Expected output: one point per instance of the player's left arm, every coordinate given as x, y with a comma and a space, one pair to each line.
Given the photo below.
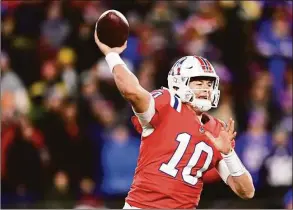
213, 175
234, 174
230, 168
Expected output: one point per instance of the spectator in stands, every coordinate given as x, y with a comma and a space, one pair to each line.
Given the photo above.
88, 200
261, 98
59, 195
66, 62
10, 82
274, 41
117, 175
254, 145
276, 170
55, 29
26, 158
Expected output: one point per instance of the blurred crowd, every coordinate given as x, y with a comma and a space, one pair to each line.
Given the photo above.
66, 136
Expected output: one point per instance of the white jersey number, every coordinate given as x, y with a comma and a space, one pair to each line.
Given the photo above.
170, 167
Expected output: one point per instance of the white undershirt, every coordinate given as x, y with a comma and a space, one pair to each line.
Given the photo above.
146, 117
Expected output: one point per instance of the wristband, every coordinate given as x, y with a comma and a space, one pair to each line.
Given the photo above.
113, 59
234, 164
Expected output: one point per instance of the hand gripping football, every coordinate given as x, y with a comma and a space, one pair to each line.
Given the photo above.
112, 28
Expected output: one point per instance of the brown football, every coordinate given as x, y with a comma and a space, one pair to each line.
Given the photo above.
112, 28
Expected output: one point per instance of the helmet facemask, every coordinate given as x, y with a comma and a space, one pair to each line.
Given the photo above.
186, 70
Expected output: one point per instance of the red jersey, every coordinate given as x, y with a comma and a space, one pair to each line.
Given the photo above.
174, 157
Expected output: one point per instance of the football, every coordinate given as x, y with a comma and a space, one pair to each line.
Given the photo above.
112, 28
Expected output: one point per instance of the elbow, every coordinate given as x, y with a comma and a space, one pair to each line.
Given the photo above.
248, 194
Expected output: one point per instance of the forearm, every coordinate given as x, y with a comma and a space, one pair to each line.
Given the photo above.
242, 185
127, 83
239, 178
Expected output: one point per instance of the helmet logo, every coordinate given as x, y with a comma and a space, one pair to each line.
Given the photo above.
201, 129
177, 66
189, 67
205, 64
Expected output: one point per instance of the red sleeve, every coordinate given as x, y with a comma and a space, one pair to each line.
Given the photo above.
162, 101
136, 124
162, 98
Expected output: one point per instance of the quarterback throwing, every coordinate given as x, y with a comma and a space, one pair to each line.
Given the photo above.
180, 142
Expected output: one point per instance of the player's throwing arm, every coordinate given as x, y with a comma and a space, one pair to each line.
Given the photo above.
126, 81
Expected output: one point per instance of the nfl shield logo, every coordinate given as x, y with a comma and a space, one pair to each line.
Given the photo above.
201, 129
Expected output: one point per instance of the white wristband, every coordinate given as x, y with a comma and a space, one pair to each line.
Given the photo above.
234, 164
113, 59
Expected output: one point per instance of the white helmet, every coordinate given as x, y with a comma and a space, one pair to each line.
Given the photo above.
179, 77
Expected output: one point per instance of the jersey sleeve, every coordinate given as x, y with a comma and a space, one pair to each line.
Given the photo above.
163, 100
159, 102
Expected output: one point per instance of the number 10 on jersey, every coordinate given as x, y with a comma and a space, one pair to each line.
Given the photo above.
170, 167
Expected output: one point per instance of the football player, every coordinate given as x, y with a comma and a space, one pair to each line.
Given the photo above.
179, 141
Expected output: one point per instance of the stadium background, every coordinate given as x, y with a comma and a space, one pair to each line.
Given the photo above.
66, 134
